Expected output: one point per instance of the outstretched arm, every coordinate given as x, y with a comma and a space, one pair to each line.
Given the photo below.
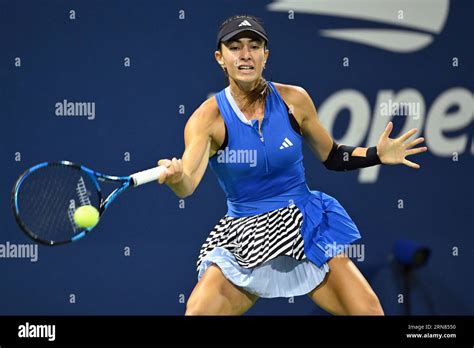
185, 174
341, 157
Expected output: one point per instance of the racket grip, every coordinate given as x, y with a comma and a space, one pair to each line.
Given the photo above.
147, 176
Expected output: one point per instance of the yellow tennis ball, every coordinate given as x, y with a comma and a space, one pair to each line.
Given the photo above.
86, 216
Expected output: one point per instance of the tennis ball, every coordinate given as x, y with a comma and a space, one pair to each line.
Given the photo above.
86, 216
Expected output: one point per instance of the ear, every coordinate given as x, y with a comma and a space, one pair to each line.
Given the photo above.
219, 59
266, 54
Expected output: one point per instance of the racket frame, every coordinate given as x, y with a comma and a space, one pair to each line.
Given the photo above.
96, 177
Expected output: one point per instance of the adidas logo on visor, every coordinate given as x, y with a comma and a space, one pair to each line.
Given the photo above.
245, 23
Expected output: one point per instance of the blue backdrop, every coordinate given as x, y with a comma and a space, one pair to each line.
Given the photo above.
147, 65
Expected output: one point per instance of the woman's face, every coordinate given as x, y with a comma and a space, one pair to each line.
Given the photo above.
243, 58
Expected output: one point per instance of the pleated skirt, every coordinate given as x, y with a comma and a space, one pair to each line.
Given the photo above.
280, 253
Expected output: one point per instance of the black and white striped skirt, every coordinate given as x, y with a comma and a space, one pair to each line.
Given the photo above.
256, 239
264, 254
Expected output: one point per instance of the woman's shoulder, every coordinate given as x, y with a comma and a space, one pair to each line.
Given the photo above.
206, 118
291, 94
209, 109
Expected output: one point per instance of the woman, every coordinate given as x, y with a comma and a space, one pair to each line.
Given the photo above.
278, 237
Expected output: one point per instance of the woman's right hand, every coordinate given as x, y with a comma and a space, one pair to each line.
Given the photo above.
174, 171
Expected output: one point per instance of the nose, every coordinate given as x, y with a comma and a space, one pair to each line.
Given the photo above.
245, 53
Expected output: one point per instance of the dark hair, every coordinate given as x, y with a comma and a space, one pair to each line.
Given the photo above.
261, 91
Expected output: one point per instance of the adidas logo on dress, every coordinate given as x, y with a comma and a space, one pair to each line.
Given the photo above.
286, 143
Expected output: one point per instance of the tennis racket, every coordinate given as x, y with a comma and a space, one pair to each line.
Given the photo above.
46, 196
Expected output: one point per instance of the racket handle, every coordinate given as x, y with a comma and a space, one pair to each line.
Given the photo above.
147, 176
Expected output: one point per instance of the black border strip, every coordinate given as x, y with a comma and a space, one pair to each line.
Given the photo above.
238, 330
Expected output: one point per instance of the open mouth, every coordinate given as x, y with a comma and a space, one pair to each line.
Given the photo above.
246, 67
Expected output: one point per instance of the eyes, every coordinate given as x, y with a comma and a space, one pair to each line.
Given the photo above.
235, 47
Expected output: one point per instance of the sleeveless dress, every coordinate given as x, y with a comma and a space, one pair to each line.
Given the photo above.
277, 235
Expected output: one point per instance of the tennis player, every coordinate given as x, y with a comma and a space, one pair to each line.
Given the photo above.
278, 237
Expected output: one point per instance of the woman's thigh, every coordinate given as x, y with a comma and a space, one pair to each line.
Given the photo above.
214, 294
345, 291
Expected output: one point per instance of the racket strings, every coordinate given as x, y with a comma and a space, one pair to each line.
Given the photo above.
48, 198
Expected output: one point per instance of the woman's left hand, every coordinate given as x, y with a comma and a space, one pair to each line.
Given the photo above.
394, 151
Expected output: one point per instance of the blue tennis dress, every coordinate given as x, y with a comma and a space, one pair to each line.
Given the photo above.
277, 235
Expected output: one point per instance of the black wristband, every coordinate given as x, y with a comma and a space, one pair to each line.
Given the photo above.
372, 157
340, 158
